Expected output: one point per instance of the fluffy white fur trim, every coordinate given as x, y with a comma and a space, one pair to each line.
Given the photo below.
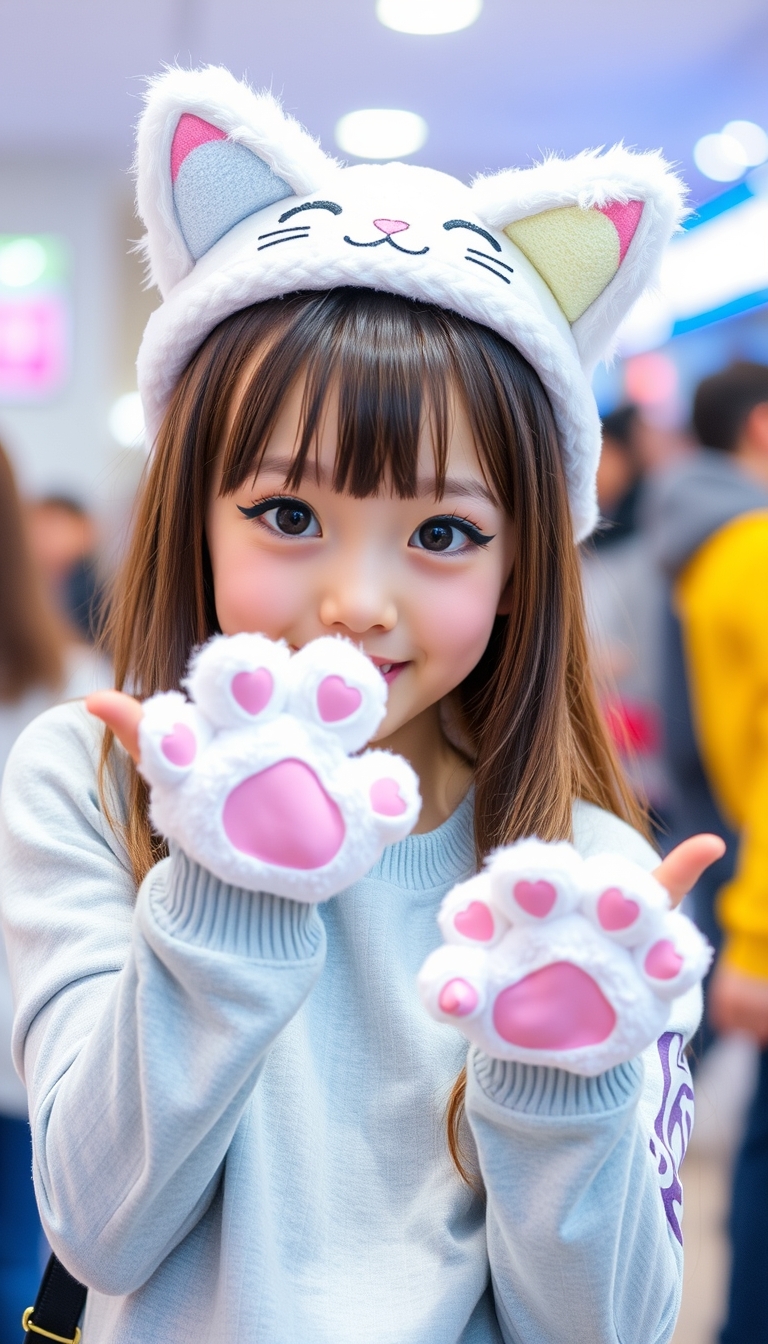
237, 271
595, 178
255, 120
212, 292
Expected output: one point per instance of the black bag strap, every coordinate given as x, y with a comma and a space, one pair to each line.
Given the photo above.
58, 1307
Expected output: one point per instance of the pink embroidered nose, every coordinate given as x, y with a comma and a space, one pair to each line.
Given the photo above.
391, 225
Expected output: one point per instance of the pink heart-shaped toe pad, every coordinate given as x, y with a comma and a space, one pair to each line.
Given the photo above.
663, 962
476, 922
336, 700
385, 798
458, 998
616, 911
283, 816
536, 898
253, 690
179, 746
559, 1007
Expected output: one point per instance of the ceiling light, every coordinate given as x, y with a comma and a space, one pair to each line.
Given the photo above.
22, 262
752, 138
126, 421
720, 157
428, 16
381, 133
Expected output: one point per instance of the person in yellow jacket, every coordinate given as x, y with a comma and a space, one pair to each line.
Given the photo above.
721, 599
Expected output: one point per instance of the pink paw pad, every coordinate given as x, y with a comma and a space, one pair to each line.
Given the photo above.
386, 799
179, 746
559, 1007
536, 898
663, 962
253, 690
336, 700
283, 816
458, 998
615, 911
475, 922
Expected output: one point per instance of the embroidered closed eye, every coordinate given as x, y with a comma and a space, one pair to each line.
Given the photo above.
478, 258
293, 232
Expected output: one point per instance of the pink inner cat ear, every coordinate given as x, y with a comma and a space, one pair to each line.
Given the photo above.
191, 132
216, 182
625, 217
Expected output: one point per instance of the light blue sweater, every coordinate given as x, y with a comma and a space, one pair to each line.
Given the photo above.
238, 1104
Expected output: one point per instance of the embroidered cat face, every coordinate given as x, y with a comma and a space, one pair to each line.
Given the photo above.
241, 205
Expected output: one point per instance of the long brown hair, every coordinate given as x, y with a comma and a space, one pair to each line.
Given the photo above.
31, 645
528, 707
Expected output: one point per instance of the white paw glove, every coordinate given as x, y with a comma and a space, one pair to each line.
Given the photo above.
251, 776
554, 959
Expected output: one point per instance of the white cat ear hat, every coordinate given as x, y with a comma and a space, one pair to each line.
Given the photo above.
240, 204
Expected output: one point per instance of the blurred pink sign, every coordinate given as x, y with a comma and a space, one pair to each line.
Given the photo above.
34, 345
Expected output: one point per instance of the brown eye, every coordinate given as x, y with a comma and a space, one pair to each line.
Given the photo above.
436, 536
448, 534
286, 516
293, 519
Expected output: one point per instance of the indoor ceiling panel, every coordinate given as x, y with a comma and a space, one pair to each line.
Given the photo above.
527, 77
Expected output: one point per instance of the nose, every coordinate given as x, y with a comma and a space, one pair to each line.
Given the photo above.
356, 601
390, 225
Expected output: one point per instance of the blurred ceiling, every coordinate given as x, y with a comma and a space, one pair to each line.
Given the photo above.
530, 75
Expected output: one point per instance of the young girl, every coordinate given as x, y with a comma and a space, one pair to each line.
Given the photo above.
369, 418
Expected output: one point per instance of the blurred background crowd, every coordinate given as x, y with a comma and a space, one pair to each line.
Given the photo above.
676, 577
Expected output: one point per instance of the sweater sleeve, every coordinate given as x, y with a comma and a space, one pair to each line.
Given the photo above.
581, 1174
722, 599
584, 1200
141, 1024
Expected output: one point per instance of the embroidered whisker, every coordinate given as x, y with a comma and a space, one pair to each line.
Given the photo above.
475, 262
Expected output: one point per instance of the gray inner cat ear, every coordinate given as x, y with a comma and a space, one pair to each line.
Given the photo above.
217, 183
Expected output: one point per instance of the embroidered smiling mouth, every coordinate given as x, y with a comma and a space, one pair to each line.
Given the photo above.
377, 242
388, 227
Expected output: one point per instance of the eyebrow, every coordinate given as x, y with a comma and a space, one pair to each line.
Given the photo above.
465, 224
465, 487
311, 205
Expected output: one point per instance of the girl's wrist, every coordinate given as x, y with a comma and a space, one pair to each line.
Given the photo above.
193, 905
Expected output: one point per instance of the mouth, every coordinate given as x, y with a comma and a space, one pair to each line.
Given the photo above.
377, 242
388, 669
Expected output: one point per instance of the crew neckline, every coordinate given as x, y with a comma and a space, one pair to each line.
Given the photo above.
431, 859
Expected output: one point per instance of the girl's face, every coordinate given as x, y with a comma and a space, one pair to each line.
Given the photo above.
415, 583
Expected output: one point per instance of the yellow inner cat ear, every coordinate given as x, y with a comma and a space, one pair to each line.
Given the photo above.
577, 252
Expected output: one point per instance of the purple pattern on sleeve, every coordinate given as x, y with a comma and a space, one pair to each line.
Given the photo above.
673, 1125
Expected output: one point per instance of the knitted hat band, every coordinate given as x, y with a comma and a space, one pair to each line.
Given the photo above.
241, 205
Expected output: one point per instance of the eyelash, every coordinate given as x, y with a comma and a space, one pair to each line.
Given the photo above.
470, 530
257, 510
261, 507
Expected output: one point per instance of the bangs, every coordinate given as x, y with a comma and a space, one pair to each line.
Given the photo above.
391, 362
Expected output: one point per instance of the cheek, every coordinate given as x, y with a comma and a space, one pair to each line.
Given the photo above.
457, 619
255, 592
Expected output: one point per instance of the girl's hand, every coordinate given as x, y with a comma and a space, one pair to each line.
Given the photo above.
256, 773
684, 865
679, 871
573, 963
122, 713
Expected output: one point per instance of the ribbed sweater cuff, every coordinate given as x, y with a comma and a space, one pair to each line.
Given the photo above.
198, 908
532, 1089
